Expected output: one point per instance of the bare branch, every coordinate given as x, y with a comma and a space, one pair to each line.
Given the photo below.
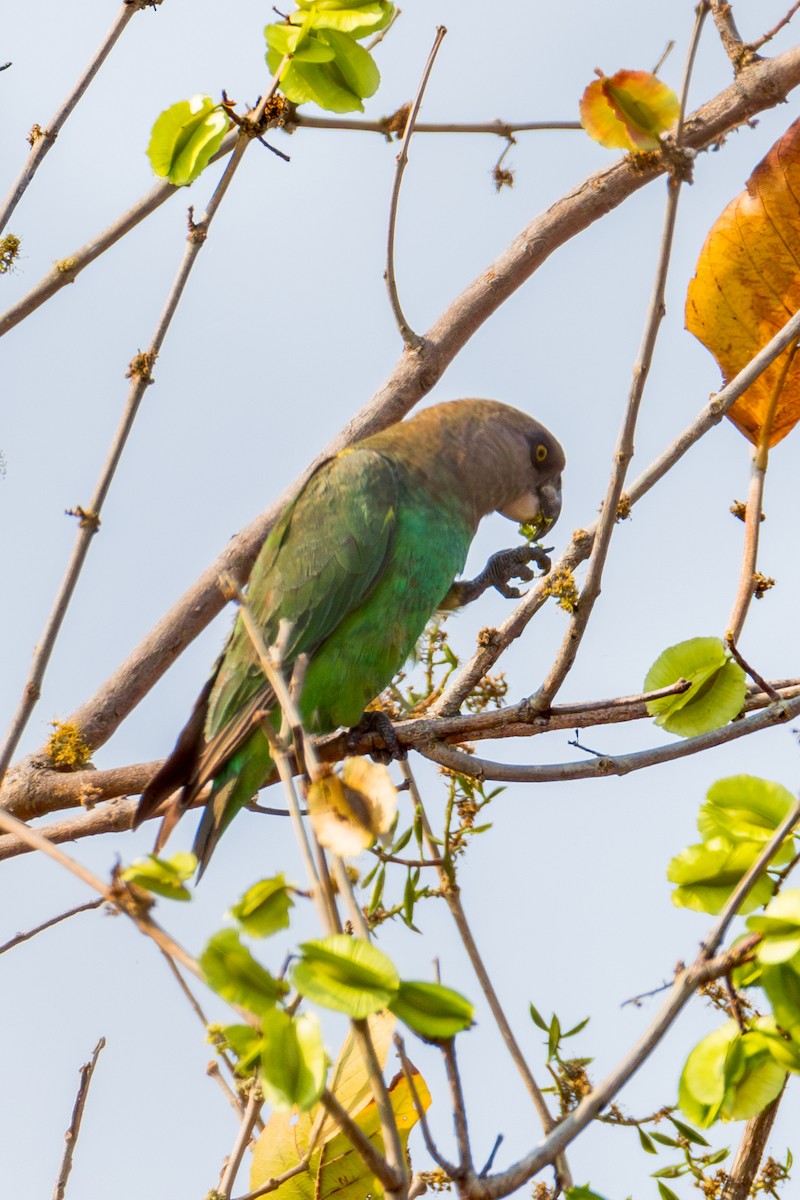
730, 37
254, 1103
750, 1151
623, 451
42, 139
71, 1136
465, 1167
31, 933
410, 338
372, 1158
140, 374
767, 37
503, 129
687, 980
620, 764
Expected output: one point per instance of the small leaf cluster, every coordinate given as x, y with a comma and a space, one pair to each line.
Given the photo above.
185, 138
738, 817
326, 64
570, 1076
737, 1070
716, 691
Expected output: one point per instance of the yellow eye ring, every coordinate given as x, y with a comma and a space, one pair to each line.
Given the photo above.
540, 452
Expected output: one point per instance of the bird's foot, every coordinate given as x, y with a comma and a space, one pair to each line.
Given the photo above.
499, 570
376, 722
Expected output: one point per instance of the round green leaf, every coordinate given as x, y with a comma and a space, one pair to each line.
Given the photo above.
434, 1012
781, 983
294, 1064
744, 808
346, 974
707, 873
163, 876
730, 1075
716, 693
234, 974
264, 908
185, 138
359, 20
357, 66
779, 928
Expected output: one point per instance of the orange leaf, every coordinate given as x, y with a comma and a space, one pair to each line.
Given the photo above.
628, 110
747, 285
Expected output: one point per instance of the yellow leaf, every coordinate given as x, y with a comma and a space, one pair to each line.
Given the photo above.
284, 1141
342, 1174
628, 110
747, 285
348, 813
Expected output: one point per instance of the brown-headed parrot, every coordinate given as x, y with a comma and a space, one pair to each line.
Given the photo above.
356, 566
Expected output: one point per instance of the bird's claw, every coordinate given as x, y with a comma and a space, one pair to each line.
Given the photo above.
513, 564
376, 722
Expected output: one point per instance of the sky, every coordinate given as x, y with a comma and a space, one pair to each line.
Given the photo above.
283, 333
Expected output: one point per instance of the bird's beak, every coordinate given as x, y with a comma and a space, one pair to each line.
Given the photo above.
540, 508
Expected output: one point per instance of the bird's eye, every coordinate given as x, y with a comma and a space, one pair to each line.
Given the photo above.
540, 453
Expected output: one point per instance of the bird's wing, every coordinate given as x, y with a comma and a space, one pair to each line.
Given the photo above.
322, 562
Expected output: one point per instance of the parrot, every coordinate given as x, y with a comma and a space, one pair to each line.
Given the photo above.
351, 573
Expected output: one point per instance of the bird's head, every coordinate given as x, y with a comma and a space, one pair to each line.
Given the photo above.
538, 461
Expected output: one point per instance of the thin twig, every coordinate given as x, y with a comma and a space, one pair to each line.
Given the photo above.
465, 1167
624, 449
408, 1071
767, 37
140, 374
25, 937
42, 139
411, 339
760, 682
744, 1168
611, 764
579, 547
71, 1136
452, 897
373, 1159
146, 924
254, 1103
498, 128
272, 1185
687, 981
755, 501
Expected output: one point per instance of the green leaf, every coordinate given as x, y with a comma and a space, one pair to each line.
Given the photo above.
538, 1019
577, 1028
730, 1075
744, 808
346, 974
377, 891
234, 974
185, 138
162, 876
582, 1193
357, 66
321, 83
553, 1037
779, 928
645, 1141
294, 1064
264, 908
707, 874
666, 1193
245, 1043
716, 693
781, 982
686, 1131
359, 20
434, 1012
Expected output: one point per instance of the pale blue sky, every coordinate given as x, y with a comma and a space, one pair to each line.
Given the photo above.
283, 333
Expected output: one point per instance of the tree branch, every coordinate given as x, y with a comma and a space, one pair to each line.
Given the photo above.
410, 339
42, 139
71, 1136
